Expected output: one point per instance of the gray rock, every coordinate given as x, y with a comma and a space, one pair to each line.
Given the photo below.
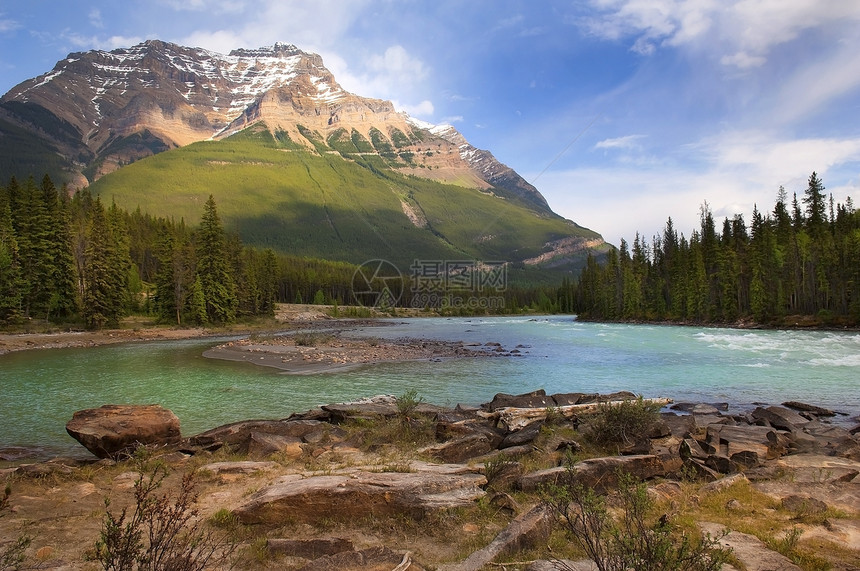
534, 399
522, 436
780, 417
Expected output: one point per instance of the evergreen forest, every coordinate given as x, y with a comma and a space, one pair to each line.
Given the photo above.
72, 260
798, 264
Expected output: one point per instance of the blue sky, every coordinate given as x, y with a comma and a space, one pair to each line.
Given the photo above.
621, 112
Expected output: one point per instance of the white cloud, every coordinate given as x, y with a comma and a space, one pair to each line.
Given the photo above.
626, 142
816, 83
222, 41
742, 170
423, 109
7, 25
742, 60
95, 17
97, 43
739, 33
397, 64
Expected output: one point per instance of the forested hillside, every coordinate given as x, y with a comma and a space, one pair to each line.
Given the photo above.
800, 259
75, 260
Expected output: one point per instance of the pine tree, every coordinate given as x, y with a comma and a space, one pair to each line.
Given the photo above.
33, 231
63, 279
99, 307
214, 268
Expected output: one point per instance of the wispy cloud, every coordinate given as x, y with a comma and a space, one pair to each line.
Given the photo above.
739, 33
422, 109
626, 142
7, 25
95, 17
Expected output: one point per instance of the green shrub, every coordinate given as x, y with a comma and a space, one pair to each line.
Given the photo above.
634, 539
622, 423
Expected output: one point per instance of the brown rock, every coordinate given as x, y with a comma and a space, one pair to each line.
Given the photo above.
359, 495
534, 399
116, 430
597, 473
804, 505
461, 449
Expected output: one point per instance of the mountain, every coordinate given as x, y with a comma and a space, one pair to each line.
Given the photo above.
99, 114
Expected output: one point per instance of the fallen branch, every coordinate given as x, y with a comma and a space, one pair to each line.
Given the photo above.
515, 418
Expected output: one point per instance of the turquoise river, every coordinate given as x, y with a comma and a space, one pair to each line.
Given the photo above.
41, 389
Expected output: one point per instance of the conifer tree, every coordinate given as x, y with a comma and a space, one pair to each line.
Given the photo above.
32, 230
99, 305
63, 280
213, 267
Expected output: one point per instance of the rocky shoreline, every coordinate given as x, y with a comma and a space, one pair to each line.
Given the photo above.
318, 486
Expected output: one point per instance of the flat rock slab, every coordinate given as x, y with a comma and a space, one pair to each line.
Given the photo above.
749, 550
244, 467
115, 430
358, 495
818, 469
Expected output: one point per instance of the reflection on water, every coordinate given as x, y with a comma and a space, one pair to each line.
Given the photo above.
42, 389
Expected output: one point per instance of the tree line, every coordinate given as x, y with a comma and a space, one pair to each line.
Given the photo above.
73, 259
800, 259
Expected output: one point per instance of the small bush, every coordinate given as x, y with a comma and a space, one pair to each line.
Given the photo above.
634, 539
407, 403
163, 533
622, 423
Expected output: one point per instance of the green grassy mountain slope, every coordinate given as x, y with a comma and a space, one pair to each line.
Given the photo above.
333, 205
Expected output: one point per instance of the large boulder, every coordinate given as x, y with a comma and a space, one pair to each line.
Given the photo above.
359, 495
113, 431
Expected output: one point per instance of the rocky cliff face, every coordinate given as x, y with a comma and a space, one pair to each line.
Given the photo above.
101, 110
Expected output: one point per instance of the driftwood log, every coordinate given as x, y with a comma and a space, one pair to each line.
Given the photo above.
514, 418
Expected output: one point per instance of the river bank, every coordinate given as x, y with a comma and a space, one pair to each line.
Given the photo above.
133, 329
